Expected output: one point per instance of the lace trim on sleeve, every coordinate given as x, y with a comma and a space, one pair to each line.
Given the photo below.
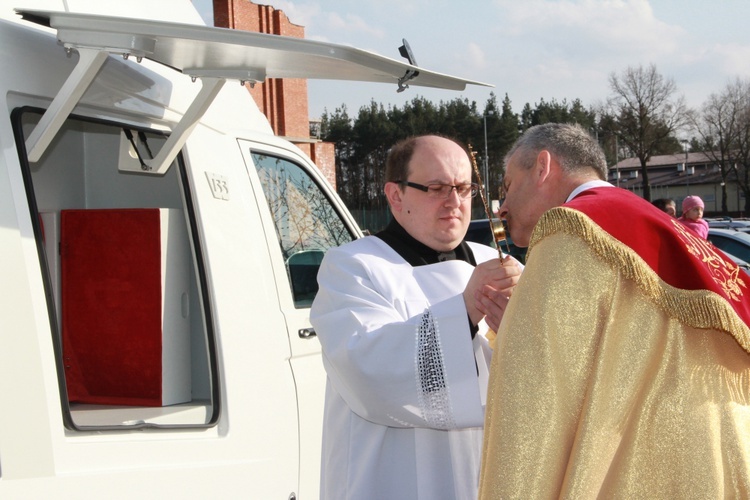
434, 398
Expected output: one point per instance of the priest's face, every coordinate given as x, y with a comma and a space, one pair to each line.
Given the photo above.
526, 199
438, 217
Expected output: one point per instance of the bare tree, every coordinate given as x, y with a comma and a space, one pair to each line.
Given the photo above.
740, 154
644, 112
722, 127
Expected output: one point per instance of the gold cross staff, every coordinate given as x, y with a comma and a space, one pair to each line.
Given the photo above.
498, 233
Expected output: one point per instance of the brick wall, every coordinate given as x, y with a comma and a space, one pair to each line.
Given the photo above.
323, 154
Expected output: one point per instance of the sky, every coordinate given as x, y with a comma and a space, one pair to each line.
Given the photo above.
528, 49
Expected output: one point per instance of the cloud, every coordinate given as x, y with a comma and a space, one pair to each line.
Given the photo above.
348, 23
568, 48
588, 29
731, 58
476, 56
708, 69
320, 21
300, 13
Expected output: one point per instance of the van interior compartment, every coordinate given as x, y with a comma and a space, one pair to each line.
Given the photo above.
125, 314
79, 174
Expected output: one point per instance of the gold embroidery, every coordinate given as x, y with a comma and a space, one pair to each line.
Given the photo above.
696, 308
724, 273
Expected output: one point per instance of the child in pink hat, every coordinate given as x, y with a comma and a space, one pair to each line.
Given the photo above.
692, 215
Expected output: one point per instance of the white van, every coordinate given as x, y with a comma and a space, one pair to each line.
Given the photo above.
158, 255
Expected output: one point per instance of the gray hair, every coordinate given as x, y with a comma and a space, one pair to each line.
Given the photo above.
573, 147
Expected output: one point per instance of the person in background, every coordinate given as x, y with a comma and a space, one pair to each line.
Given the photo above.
667, 205
692, 215
622, 366
403, 341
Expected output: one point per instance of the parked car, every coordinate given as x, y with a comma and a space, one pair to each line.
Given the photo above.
736, 244
479, 232
729, 223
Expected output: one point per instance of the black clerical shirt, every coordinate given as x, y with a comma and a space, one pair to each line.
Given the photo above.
417, 253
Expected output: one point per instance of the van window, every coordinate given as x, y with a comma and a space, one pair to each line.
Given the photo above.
124, 279
307, 224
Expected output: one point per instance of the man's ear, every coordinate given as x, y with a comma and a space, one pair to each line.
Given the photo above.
543, 166
393, 194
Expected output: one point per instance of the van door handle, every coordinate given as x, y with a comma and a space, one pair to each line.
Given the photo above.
306, 333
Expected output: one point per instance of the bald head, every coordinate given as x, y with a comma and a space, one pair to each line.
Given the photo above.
399, 156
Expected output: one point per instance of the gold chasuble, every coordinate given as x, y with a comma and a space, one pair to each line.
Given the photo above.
621, 368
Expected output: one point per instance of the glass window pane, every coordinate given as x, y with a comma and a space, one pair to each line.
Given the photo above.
306, 222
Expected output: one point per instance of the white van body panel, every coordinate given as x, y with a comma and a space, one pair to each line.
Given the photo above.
252, 427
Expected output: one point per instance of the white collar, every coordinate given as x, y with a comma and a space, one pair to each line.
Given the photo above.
587, 185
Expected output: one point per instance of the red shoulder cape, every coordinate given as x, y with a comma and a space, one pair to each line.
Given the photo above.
675, 253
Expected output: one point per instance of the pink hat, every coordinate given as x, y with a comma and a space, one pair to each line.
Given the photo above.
691, 202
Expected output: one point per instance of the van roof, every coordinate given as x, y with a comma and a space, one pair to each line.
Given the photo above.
201, 51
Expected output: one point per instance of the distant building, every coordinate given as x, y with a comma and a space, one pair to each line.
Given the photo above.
671, 176
283, 101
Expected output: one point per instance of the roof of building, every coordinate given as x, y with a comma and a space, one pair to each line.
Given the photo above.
669, 170
666, 160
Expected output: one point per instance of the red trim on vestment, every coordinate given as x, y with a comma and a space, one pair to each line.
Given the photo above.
680, 257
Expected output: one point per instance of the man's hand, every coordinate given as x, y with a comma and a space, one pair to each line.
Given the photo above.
489, 289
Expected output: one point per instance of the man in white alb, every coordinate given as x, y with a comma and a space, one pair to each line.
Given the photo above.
403, 341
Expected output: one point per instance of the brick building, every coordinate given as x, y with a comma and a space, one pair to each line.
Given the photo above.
283, 101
